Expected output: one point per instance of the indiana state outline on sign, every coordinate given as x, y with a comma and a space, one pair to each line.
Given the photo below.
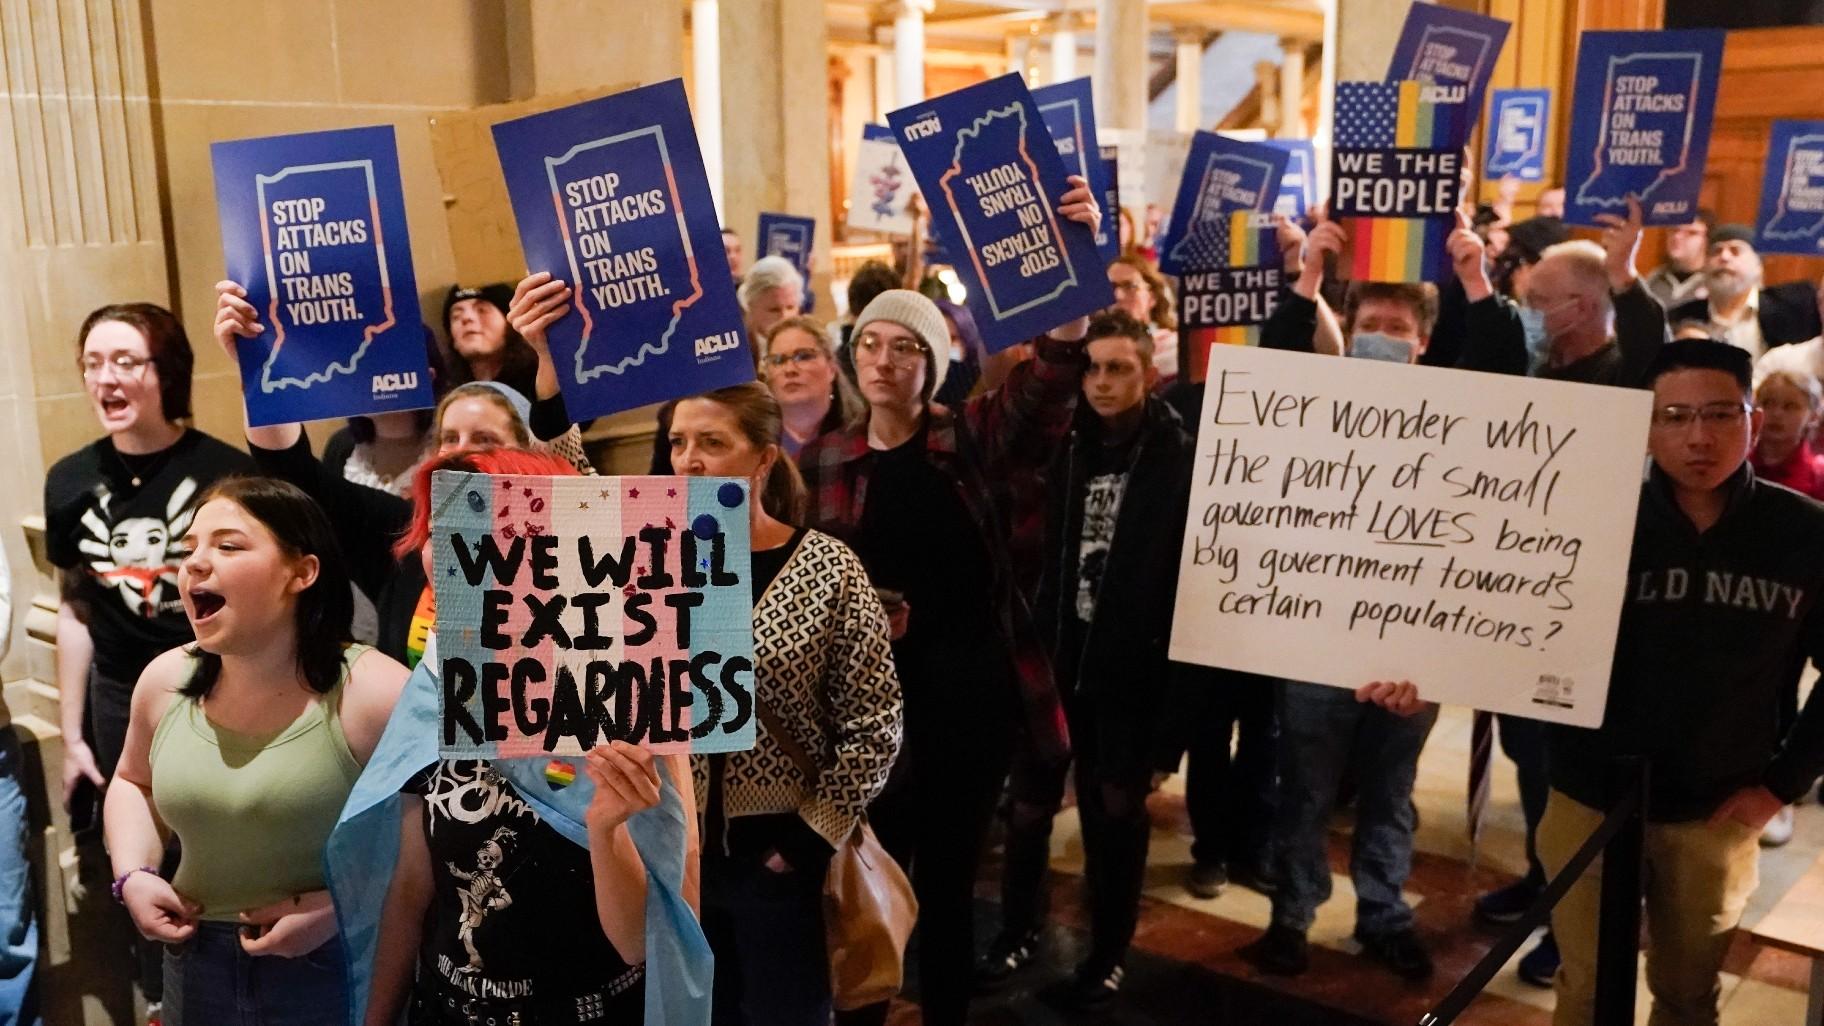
1670, 132
1799, 213
303, 297
641, 281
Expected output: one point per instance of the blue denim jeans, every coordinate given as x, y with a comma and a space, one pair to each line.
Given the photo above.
1324, 730
210, 981
18, 923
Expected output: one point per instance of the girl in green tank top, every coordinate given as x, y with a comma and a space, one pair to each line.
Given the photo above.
245, 745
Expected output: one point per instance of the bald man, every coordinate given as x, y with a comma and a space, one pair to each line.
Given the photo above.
1585, 314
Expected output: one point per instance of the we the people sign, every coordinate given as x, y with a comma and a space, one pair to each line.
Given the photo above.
574, 611
1353, 521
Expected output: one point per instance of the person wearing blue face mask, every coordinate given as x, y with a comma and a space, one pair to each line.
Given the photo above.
1584, 314
1381, 320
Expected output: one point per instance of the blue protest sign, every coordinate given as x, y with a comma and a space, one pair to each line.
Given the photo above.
1111, 195
1455, 52
993, 182
610, 196
1298, 186
784, 235
1516, 134
1792, 193
1069, 111
313, 226
1640, 123
1221, 175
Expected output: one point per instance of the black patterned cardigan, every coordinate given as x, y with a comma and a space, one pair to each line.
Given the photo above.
823, 665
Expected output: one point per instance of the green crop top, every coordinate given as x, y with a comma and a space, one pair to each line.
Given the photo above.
253, 812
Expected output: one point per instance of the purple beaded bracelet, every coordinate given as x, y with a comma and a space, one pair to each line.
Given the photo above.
120, 882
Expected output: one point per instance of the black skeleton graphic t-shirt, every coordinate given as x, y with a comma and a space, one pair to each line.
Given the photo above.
512, 915
121, 540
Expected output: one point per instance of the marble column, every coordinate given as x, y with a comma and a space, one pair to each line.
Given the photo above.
1292, 92
1189, 81
776, 154
706, 75
909, 49
1064, 48
1120, 76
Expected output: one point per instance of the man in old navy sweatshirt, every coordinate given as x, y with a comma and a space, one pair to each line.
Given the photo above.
1721, 604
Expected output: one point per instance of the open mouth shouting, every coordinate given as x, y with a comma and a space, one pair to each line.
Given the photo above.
204, 605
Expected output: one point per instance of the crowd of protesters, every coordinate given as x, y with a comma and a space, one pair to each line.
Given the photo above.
243, 632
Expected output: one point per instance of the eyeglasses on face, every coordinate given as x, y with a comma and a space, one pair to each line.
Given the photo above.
125, 365
800, 357
1717, 415
901, 352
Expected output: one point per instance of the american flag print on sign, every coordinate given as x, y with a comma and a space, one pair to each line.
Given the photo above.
1390, 118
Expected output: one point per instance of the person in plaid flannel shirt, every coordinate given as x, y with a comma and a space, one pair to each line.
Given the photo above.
925, 495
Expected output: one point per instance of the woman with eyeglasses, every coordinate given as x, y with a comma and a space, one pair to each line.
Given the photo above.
114, 511
1142, 292
925, 495
800, 369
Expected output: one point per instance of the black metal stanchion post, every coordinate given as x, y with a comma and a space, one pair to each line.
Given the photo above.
1618, 930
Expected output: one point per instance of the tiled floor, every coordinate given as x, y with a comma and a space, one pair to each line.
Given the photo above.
1185, 968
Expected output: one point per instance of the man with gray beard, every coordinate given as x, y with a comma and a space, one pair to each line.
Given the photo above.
1739, 309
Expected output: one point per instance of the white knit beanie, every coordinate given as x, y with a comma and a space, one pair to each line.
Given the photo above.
918, 315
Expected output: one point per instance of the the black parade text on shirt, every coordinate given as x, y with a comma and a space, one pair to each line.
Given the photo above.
1462, 522
1396, 183
636, 588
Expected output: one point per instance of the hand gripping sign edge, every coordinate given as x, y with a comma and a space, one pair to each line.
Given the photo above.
267, 383
1602, 131
584, 373
1779, 210
1014, 110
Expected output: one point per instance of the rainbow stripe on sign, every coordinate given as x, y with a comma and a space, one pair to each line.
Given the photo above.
1394, 248
1419, 125
1245, 250
1397, 248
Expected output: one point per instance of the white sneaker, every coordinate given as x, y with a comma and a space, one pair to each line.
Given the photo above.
1778, 829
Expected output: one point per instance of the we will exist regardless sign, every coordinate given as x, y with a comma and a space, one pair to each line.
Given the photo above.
574, 611
1353, 521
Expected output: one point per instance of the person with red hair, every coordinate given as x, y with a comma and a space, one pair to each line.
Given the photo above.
482, 874
475, 415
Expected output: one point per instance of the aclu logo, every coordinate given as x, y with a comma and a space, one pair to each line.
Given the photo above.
925, 127
710, 347
1444, 93
387, 384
